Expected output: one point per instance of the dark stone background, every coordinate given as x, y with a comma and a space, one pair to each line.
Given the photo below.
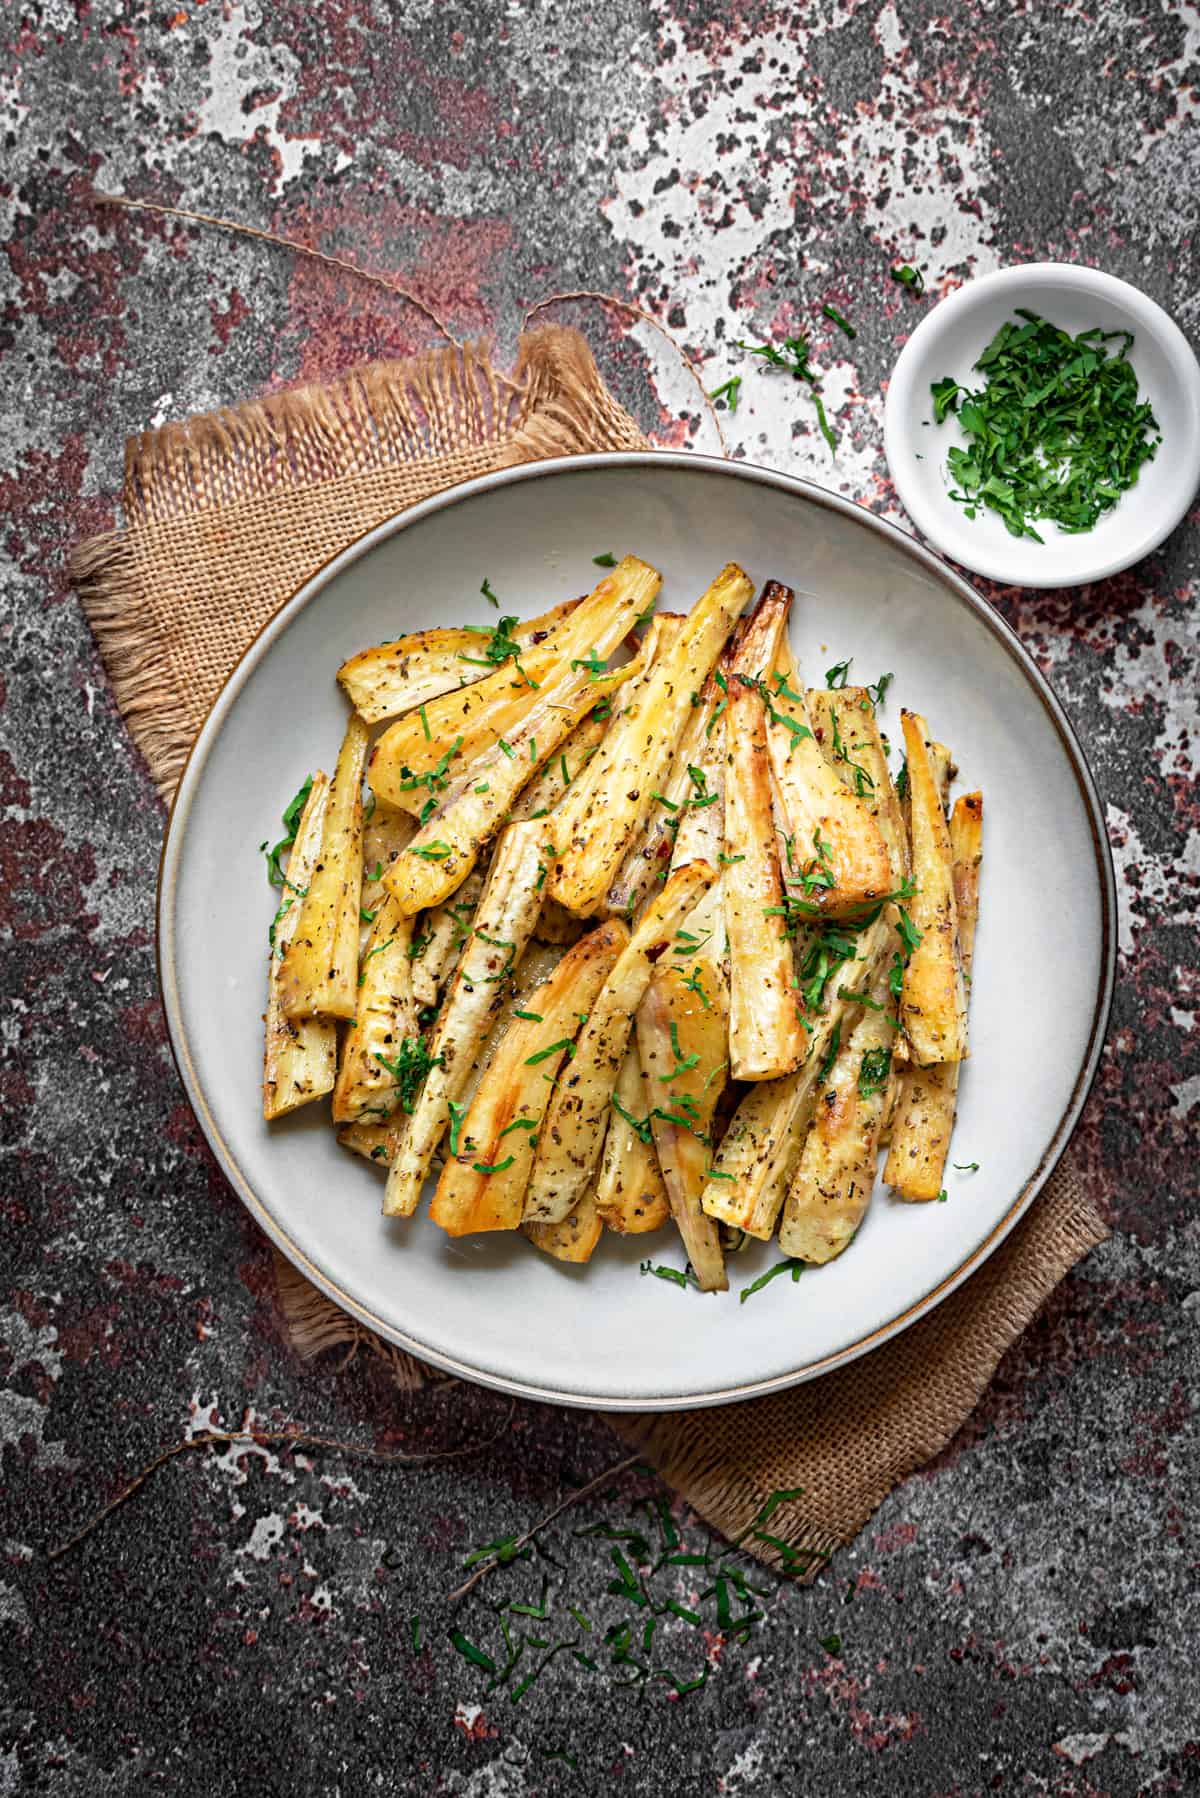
1021, 1617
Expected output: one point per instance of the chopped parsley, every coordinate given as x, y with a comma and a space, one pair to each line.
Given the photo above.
408, 1068
728, 391
675, 1275
780, 1267
607, 560
835, 677
792, 358
457, 1114
291, 823
640, 1126
966, 1167
553, 1049
486, 590
873, 1071
493, 1167
910, 936
1058, 430
835, 1044
843, 324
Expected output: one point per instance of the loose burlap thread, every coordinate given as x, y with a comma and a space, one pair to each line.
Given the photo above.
226, 515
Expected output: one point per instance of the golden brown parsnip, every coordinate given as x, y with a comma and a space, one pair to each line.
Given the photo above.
759, 1151
631, 1197
832, 1185
848, 731
966, 849
700, 833
446, 848
835, 839
928, 1096
503, 925
370, 1139
397, 677
933, 1003
438, 942
319, 977
572, 1239
686, 794
482, 1186
301, 1053
683, 1048
571, 1135
386, 1019
597, 827
766, 1038
417, 756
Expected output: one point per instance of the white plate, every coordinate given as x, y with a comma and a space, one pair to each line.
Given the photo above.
491, 1308
948, 341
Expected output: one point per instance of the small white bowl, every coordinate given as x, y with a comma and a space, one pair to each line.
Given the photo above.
947, 342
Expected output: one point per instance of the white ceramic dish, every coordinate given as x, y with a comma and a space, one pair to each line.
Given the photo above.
491, 1308
947, 342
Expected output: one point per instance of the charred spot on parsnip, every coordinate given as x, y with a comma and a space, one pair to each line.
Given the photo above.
633, 928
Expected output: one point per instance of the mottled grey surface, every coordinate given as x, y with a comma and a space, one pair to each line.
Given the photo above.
1022, 1617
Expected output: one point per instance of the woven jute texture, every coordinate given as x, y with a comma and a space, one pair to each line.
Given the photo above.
225, 517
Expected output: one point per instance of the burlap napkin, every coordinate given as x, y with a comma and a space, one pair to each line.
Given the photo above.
225, 516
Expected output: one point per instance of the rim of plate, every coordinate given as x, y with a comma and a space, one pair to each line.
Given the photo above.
193, 772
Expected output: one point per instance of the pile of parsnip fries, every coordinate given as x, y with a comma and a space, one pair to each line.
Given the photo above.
612, 942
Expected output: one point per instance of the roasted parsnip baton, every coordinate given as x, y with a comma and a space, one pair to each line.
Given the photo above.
700, 832
595, 834
766, 1038
832, 1185
438, 943
661, 633
370, 1139
933, 1001
386, 831
682, 1035
319, 977
759, 1151
925, 1106
941, 763
301, 1053
966, 850
446, 847
410, 763
482, 1186
551, 784
372, 1071
503, 925
837, 842
571, 1134
572, 1239
685, 793
397, 677
630, 1195
845, 722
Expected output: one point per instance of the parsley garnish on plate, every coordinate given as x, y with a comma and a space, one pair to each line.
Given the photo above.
1058, 430
408, 1068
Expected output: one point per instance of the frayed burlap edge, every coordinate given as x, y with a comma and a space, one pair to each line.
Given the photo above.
367, 445
840, 1443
